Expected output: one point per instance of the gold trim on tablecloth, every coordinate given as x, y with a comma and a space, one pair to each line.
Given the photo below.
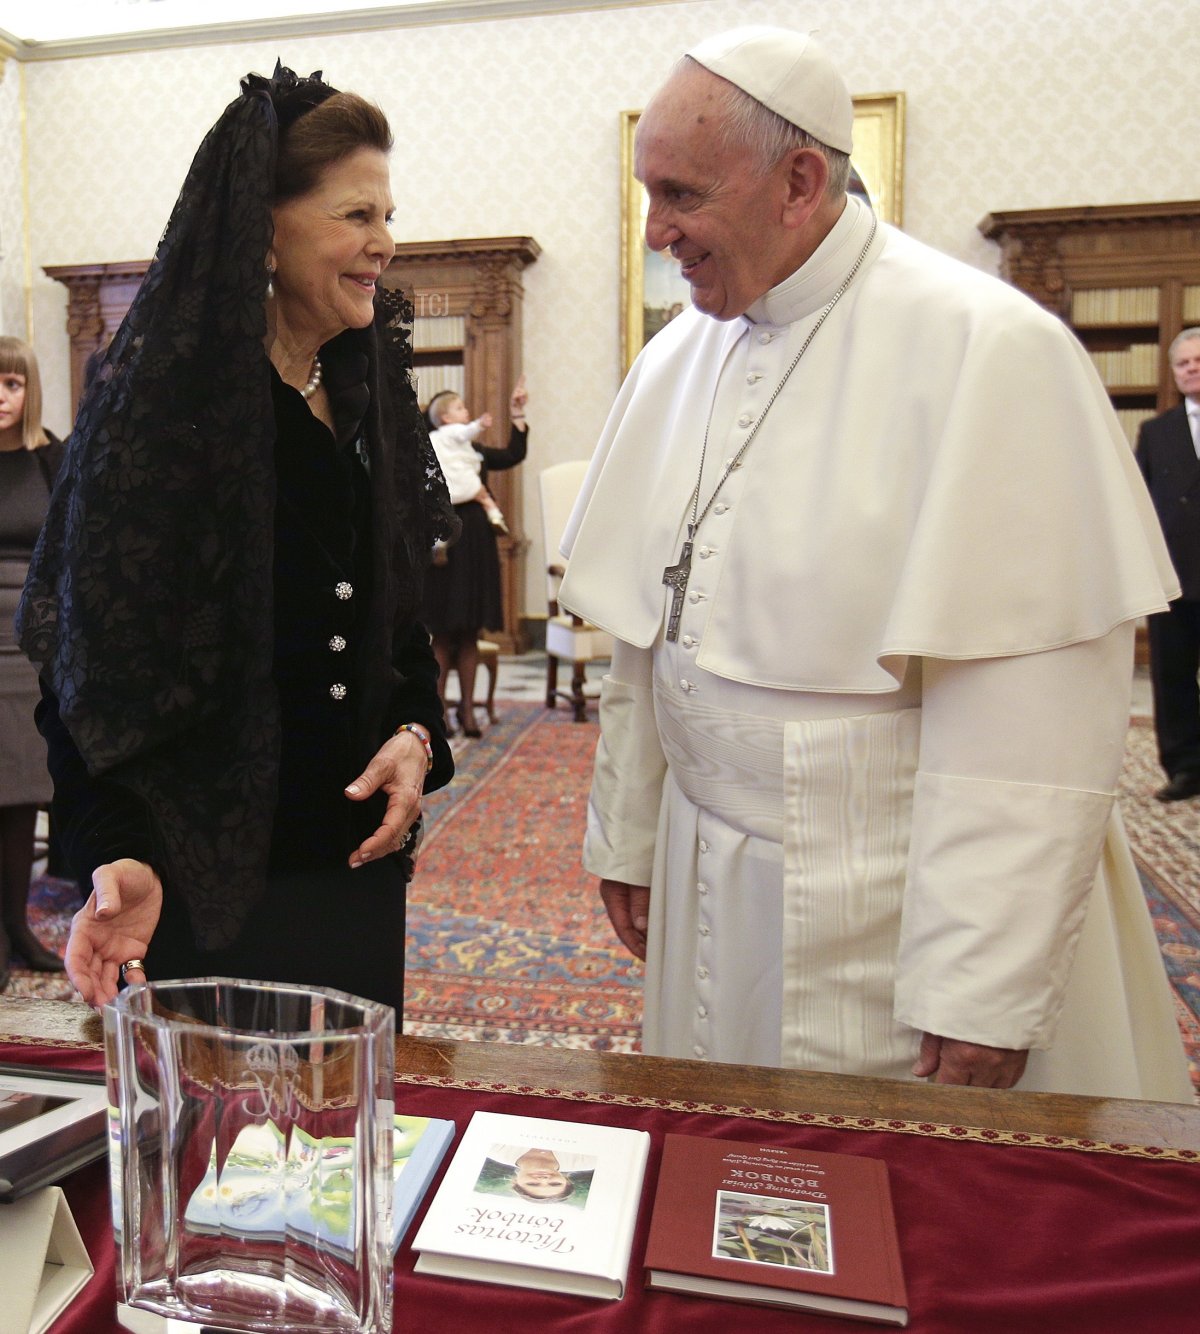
928, 1129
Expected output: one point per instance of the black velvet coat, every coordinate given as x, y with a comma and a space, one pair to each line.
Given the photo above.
350, 662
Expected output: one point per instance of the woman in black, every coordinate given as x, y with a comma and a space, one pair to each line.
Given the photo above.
29, 461
462, 593
240, 705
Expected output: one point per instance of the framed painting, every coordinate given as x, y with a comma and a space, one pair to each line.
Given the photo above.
653, 293
50, 1124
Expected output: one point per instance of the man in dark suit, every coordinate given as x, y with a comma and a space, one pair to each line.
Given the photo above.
1168, 448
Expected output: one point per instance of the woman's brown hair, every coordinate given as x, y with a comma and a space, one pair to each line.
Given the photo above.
339, 126
19, 358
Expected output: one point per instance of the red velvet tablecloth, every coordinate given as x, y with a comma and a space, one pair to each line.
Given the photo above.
1000, 1233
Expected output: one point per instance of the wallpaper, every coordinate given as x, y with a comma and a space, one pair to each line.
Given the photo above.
12, 210
510, 127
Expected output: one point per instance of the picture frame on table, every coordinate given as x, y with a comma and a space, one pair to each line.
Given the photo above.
51, 1123
652, 291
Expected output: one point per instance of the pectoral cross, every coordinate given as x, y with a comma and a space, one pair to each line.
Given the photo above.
676, 578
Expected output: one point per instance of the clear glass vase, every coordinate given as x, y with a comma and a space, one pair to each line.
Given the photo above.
251, 1139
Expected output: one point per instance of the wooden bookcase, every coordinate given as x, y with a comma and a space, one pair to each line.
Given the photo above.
468, 297
1125, 277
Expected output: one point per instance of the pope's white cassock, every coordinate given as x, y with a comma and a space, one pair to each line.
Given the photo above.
872, 782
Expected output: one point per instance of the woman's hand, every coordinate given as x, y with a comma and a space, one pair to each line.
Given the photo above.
518, 398
399, 769
113, 926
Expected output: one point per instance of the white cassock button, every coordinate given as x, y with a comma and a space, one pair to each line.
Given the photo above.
701, 888
344, 591
688, 641
685, 684
701, 1012
336, 644
704, 553
695, 597
753, 377
745, 419
703, 846
337, 690
704, 930
699, 1051
702, 973
765, 337
720, 508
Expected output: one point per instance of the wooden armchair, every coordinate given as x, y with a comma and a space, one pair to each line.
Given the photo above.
568, 638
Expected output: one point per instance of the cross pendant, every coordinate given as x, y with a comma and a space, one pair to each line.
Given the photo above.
676, 578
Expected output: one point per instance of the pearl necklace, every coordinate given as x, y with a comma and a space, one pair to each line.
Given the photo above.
314, 380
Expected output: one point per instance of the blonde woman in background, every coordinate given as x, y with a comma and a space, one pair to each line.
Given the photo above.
29, 461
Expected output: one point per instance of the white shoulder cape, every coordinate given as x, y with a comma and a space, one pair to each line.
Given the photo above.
942, 476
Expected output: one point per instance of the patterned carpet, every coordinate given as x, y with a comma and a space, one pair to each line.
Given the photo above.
500, 894
507, 939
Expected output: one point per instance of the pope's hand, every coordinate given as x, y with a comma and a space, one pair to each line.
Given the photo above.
113, 926
949, 1061
629, 911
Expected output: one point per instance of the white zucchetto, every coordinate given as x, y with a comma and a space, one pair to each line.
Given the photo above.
789, 73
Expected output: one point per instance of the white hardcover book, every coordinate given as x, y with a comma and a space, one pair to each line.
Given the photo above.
537, 1204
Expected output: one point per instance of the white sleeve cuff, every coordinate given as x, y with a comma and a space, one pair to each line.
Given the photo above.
626, 786
999, 877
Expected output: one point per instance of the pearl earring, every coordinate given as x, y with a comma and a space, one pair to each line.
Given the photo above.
270, 283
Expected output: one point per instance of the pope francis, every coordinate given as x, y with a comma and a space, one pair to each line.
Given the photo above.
873, 547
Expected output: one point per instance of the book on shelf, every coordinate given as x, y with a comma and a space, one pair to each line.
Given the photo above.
537, 1203
1115, 305
776, 1225
269, 1187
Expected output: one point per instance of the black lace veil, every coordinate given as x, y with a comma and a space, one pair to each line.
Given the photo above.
148, 606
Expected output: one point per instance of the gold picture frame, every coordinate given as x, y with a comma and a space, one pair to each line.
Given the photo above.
652, 291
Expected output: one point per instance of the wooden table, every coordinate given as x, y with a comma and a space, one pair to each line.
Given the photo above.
1041, 1213
1106, 1120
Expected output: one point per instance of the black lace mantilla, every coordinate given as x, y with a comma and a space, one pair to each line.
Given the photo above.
148, 606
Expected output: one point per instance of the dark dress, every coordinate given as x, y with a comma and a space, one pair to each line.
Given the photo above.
463, 595
318, 921
26, 477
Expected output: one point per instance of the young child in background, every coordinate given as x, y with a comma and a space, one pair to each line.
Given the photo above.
453, 436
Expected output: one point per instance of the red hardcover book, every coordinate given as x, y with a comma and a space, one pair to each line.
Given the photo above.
777, 1225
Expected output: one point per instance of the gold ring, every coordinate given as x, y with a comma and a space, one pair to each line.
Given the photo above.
131, 963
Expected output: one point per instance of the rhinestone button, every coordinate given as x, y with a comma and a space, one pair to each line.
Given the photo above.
336, 644
344, 591
337, 690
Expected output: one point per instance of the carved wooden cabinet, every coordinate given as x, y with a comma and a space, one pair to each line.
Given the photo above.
468, 296
1125, 277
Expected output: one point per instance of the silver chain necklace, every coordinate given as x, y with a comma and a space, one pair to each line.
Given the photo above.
676, 576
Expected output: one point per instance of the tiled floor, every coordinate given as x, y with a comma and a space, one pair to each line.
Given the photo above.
524, 677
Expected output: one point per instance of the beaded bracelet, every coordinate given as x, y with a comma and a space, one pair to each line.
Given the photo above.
422, 736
